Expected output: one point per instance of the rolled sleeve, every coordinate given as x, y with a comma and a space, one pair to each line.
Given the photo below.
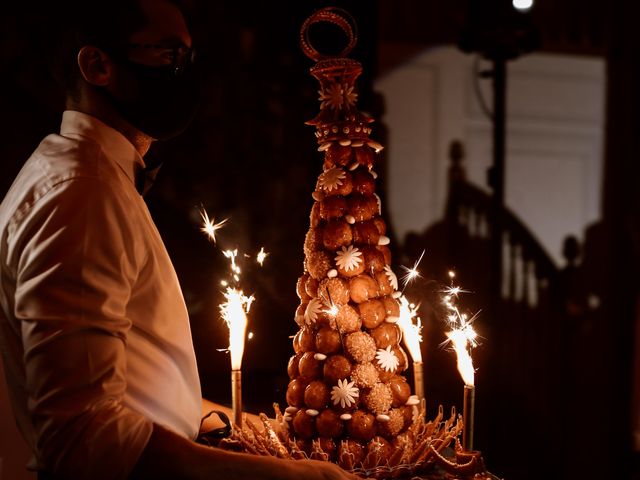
74, 279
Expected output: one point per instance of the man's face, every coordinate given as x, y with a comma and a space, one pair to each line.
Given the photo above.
154, 85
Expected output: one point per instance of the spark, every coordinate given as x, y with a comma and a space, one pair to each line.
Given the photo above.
209, 226
332, 311
250, 335
232, 255
412, 273
261, 256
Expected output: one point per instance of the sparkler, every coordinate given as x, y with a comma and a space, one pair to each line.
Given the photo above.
463, 339
411, 327
234, 312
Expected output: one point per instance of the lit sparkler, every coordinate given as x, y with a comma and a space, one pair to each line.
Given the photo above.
234, 312
463, 338
411, 327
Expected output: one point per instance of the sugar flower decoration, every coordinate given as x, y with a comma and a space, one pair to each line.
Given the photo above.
345, 393
349, 258
332, 97
331, 179
350, 95
393, 280
312, 311
387, 359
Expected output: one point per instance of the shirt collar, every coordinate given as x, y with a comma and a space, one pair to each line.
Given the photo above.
114, 145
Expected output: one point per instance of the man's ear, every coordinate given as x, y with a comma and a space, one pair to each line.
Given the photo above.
95, 65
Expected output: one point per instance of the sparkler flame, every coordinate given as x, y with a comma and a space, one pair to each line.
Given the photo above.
234, 312
411, 330
460, 342
462, 336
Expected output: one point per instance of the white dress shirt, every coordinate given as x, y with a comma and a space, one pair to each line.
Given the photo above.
94, 330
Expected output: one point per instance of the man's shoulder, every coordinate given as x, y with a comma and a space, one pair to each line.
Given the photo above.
57, 164
59, 156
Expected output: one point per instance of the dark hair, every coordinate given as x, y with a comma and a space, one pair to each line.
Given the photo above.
102, 23
96, 22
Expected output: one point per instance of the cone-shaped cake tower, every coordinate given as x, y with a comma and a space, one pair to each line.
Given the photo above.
348, 400
347, 374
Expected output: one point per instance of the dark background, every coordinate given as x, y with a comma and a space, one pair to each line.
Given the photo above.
250, 158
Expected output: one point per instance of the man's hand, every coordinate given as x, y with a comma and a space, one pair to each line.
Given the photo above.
212, 422
317, 470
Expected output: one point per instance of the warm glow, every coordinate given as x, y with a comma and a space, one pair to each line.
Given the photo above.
411, 329
460, 343
209, 226
234, 312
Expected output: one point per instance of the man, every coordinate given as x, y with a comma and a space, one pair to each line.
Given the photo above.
93, 327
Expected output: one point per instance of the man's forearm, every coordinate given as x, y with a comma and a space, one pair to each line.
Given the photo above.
168, 455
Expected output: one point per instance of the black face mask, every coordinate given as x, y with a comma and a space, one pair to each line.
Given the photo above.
156, 100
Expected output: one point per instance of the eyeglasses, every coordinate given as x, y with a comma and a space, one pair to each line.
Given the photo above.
179, 57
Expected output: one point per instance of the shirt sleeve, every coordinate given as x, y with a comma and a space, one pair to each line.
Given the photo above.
74, 279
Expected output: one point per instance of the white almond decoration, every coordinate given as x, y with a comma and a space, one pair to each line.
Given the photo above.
387, 359
345, 393
331, 179
391, 276
349, 258
314, 308
379, 203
